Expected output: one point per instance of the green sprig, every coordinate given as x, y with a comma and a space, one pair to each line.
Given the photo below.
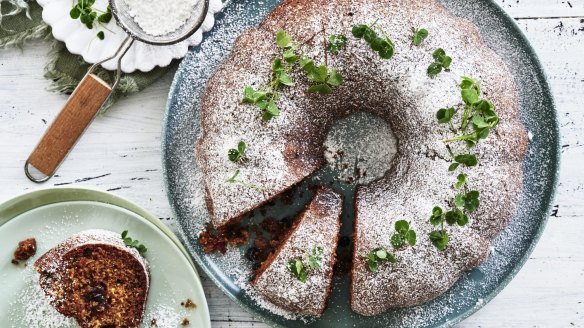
378, 256
419, 36
298, 270
237, 155
403, 235
336, 42
134, 243
441, 62
380, 44
87, 15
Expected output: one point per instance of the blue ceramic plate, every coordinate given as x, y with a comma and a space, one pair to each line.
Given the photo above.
476, 287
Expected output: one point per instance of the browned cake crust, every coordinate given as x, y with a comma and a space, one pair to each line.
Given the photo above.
95, 279
290, 146
317, 226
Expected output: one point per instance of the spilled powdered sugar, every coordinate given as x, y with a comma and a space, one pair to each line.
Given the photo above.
475, 287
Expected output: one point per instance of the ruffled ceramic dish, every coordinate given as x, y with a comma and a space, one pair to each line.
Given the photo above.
82, 41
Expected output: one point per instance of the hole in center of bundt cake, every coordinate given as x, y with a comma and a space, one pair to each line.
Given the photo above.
360, 148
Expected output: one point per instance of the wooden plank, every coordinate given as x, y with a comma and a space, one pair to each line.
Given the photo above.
548, 291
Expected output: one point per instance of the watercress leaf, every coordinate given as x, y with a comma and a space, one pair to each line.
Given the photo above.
419, 36
105, 17
307, 64
411, 237
469, 96
285, 79
75, 12
391, 258
453, 167
336, 43
459, 200
100, 35
289, 56
372, 265
462, 220
124, 234
466, 159
444, 115
378, 44
381, 254
386, 53
402, 227
283, 40
446, 61
439, 239
434, 69
438, 54
241, 146
248, 95
397, 240
233, 155
323, 89
460, 180
369, 35
437, 211
359, 30
335, 79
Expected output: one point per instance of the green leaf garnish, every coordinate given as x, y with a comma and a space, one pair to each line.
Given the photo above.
441, 61
237, 155
460, 180
419, 36
380, 44
315, 258
296, 267
283, 40
87, 15
439, 239
133, 243
336, 42
377, 256
403, 234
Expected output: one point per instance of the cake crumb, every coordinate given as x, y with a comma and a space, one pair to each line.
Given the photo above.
25, 250
188, 304
185, 322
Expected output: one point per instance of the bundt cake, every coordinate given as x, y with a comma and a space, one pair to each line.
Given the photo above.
405, 92
297, 276
96, 279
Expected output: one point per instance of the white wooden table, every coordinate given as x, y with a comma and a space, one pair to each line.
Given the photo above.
121, 153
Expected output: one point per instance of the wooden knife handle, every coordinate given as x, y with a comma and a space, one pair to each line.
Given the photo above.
69, 125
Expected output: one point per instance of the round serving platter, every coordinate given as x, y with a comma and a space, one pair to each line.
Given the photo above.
52, 215
476, 287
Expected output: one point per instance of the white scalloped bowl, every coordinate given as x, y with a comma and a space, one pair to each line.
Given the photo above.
144, 57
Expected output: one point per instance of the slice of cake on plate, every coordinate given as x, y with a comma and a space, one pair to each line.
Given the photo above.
297, 276
96, 279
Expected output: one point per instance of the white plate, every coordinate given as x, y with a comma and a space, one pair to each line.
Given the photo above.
143, 57
53, 215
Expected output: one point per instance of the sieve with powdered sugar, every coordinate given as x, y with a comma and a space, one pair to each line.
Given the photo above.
151, 21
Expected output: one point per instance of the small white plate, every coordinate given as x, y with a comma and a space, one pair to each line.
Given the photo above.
82, 41
53, 215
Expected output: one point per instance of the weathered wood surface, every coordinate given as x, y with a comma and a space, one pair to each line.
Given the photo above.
121, 153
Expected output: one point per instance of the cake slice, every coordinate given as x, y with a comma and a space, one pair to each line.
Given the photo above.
297, 276
96, 279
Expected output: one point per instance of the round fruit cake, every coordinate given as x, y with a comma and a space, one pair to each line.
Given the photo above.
449, 99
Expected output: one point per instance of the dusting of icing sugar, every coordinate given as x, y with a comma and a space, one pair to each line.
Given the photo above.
158, 18
32, 309
510, 245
